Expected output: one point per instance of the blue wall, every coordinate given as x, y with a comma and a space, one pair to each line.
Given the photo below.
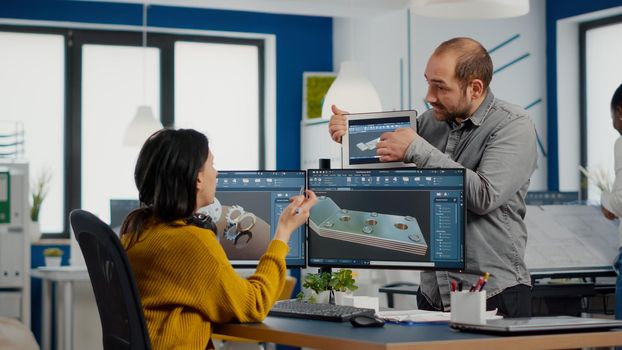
303, 43
556, 10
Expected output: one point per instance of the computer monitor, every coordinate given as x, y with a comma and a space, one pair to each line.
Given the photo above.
393, 218
250, 203
551, 198
119, 208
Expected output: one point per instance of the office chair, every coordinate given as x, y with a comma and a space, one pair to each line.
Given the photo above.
114, 285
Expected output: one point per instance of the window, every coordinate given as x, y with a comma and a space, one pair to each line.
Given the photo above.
32, 92
602, 73
112, 89
216, 91
213, 84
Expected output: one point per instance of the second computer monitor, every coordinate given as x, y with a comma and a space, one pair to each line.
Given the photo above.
396, 218
247, 212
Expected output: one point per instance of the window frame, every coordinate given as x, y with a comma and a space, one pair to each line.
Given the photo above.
165, 42
584, 27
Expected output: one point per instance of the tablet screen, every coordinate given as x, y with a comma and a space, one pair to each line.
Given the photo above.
363, 134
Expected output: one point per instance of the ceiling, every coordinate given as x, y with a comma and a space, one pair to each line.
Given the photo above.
329, 8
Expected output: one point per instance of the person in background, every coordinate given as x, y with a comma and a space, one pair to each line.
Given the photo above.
185, 280
468, 127
611, 201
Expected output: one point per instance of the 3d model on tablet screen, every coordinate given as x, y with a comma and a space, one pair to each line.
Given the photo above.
401, 233
364, 146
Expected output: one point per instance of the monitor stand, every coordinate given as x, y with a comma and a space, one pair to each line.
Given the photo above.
324, 163
331, 298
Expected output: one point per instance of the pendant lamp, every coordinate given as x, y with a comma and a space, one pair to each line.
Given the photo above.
351, 92
144, 122
470, 9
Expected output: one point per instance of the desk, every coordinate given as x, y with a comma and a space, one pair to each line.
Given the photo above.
64, 276
538, 292
333, 335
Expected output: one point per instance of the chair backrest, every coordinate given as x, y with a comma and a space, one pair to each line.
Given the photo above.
114, 285
290, 284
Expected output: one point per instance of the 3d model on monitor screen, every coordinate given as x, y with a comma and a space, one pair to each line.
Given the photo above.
239, 229
401, 233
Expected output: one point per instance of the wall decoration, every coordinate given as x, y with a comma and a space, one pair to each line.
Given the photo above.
315, 86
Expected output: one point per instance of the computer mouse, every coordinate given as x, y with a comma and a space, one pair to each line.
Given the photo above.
366, 321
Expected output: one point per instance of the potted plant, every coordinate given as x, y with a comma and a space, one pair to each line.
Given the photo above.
325, 286
342, 283
52, 256
318, 287
39, 191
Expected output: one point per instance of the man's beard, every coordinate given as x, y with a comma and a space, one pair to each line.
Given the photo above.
445, 115
462, 112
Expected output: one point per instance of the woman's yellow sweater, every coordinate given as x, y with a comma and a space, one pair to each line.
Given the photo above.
186, 283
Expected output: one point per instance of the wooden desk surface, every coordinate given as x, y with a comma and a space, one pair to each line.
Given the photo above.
334, 335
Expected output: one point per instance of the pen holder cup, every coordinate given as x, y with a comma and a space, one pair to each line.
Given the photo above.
468, 307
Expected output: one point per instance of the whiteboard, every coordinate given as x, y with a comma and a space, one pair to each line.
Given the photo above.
570, 238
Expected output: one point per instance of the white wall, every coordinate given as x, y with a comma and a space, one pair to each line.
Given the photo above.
378, 44
381, 42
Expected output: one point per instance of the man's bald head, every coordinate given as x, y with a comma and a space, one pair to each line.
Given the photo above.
472, 60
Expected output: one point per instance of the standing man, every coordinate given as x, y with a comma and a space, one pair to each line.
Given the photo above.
495, 141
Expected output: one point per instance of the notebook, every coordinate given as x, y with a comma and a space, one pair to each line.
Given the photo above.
545, 324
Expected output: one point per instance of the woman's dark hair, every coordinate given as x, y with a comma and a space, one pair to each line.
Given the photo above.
166, 174
616, 100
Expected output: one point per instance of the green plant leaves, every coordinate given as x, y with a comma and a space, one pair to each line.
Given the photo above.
340, 281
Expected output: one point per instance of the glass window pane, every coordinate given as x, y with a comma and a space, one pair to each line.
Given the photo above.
112, 89
603, 76
216, 92
32, 91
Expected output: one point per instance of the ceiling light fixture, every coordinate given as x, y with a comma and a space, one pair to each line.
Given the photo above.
144, 122
351, 92
470, 9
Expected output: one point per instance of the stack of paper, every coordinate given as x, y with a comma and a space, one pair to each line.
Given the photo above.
423, 315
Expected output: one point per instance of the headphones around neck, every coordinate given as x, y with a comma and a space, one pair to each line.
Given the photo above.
203, 221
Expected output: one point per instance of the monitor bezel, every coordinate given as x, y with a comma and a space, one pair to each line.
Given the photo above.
395, 267
236, 263
345, 140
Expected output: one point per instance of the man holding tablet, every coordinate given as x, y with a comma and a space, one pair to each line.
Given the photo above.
496, 142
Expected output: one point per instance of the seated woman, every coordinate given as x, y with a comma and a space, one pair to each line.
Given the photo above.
186, 282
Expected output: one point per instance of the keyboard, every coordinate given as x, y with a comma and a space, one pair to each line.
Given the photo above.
323, 312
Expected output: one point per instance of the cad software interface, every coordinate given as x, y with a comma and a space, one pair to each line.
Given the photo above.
407, 218
250, 204
364, 134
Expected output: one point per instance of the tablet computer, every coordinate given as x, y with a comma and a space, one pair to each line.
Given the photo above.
539, 325
363, 132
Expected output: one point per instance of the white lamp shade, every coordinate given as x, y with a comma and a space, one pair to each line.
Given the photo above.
470, 9
351, 92
141, 127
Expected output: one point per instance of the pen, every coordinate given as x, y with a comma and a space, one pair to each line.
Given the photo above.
486, 276
475, 286
300, 193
